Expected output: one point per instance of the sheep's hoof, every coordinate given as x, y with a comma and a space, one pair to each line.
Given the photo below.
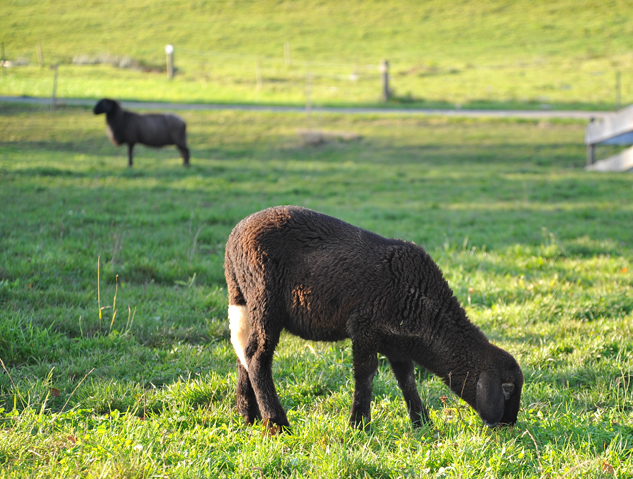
361, 422
505, 425
249, 421
421, 424
273, 429
250, 413
421, 419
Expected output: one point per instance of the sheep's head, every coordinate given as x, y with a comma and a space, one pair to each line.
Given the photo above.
105, 106
499, 386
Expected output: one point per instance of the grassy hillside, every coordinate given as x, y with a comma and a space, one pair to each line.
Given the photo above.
559, 53
405, 31
537, 250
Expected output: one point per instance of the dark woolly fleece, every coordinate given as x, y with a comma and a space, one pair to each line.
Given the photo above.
326, 280
153, 129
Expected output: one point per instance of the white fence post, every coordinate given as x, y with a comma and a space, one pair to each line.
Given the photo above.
169, 51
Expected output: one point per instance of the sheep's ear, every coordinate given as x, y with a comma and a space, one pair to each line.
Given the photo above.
508, 389
513, 402
490, 398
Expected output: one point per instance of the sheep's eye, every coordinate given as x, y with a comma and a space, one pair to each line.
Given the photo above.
508, 389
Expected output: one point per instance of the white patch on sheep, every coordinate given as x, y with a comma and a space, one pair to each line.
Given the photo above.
240, 329
111, 135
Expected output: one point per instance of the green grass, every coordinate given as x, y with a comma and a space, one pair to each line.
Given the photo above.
490, 53
537, 250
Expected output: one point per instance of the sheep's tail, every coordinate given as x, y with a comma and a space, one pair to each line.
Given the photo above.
239, 323
236, 298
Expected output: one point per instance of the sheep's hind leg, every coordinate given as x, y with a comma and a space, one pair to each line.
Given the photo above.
405, 374
259, 357
246, 400
365, 366
184, 152
130, 151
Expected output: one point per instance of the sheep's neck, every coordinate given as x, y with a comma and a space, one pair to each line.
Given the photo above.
455, 352
113, 116
115, 124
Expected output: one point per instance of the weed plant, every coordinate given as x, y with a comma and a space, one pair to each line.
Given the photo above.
116, 359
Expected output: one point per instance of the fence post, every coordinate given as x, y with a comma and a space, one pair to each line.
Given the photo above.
618, 91
258, 74
54, 88
309, 98
591, 154
384, 69
169, 51
40, 55
287, 59
591, 149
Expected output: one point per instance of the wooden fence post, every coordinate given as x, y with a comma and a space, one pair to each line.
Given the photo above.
384, 69
309, 98
40, 55
169, 51
618, 90
258, 74
54, 88
287, 58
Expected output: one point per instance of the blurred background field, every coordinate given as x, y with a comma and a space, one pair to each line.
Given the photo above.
491, 54
537, 250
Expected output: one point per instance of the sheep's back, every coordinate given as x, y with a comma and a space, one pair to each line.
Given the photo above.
335, 277
316, 264
156, 129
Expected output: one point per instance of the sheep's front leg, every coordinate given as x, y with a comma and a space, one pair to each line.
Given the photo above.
246, 400
405, 374
130, 150
365, 366
259, 357
184, 152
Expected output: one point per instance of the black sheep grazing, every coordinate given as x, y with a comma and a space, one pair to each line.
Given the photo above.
154, 129
322, 279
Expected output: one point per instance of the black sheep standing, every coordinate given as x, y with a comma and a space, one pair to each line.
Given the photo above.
153, 129
322, 279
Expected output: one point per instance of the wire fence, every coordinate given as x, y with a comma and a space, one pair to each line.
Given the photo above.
275, 70
284, 78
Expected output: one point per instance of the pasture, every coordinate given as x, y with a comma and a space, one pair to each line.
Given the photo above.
113, 330
489, 53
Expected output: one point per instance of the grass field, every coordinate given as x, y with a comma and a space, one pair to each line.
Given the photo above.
113, 327
489, 53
